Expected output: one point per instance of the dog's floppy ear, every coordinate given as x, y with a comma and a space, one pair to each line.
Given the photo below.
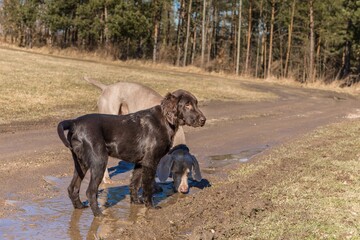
169, 108
164, 167
196, 169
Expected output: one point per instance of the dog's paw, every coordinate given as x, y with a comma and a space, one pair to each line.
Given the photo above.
80, 205
154, 207
151, 206
98, 214
107, 180
137, 201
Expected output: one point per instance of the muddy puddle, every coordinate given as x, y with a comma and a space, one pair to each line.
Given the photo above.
55, 218
217, 162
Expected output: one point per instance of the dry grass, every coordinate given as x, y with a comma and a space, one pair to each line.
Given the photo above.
36, 86
319, 84
317, 191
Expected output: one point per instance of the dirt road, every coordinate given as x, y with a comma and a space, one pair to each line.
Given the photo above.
35, 166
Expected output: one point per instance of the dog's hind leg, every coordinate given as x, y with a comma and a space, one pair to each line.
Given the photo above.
97, 169
135, 184
106, 178
124, 109
74, 187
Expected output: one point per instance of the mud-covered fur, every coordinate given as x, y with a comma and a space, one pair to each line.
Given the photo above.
142, 138
179, 162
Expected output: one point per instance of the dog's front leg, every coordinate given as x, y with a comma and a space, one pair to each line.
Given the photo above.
148, 178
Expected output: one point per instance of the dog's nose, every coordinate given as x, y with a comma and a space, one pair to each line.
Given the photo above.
183, 189
202, 120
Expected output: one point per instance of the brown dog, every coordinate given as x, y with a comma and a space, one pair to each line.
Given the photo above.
142, 138
125, 97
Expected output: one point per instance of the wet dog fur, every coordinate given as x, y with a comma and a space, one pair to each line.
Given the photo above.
142, 138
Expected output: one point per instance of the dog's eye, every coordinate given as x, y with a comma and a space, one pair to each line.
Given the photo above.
188, 105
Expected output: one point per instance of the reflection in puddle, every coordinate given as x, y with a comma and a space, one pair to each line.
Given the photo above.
219, 161
55, 218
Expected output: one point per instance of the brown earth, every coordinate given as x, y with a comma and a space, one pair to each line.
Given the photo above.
234, 133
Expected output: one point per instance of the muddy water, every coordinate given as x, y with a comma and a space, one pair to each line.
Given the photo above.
55, 218
218, 161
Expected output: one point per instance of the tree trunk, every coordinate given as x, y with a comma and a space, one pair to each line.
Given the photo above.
324, 60
312, 42
247, 61
346, 59
156, 27
157, 16
233, 33
271, 37
288, 51
304, 70
261, 33
167, 35
281, 54
181, 17
239, 40
193, 51
203, 36
257, 56
264, 55
106, 30
209, 31
317, 67
187, 33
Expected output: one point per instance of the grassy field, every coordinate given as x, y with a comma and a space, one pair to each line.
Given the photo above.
36, 86
317, 188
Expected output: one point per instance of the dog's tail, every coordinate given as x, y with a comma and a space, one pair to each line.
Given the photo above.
95, 83
66, 125
62, 126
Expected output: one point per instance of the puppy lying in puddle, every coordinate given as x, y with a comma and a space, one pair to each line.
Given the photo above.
179, 163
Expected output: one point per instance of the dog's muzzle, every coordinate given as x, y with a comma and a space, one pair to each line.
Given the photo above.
202, 121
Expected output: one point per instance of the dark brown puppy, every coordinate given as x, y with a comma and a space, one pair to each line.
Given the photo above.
142, 138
